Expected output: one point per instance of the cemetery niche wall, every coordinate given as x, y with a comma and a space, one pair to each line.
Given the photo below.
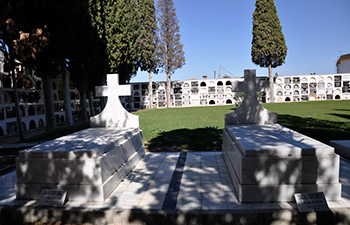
88, 164
270, 163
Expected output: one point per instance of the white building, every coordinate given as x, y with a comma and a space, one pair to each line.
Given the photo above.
31, 100
343, 64
205, 92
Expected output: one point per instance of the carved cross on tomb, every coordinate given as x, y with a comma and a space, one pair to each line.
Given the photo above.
250, 111
114, 114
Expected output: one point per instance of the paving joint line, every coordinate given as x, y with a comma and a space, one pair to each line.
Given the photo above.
170, 200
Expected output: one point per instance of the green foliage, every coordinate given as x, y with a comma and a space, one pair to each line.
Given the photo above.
147, 38
171, 54
128, 29
117, 24
88, 59
268, 44
239, 96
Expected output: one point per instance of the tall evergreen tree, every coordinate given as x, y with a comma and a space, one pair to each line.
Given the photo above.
147, 41
117, 24
171, 54
268, 45
87, 65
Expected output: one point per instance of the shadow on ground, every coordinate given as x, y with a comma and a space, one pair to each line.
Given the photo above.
210, 138
321, 130
200, 139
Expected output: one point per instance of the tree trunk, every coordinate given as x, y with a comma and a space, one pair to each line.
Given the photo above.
91, 104
48, 99
18, 111
168, 88
66, 95
150, 91
83, 107
272, 91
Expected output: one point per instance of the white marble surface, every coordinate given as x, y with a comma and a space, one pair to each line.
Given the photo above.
88, 164
114, 114
205, 184
275, 140
92, 142
279, 192
264, 170
264, 159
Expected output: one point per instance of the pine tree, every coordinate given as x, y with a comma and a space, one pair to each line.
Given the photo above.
170, 48
147, 41
268, 45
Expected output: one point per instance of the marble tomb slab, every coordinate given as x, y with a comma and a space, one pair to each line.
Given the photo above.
275, 139
88, 164
281, 170
269, 163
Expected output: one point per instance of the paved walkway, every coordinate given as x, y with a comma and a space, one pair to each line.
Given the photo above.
185, 181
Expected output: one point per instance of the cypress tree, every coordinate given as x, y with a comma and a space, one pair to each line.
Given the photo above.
117, 24
170, 48
147, 41
268, 45
122, 28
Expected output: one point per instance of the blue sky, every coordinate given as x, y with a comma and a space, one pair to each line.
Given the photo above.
218, 33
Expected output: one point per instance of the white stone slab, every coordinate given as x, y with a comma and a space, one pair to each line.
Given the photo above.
281, 169
89, 143
278, 193
269, 163
275, 140
88, 170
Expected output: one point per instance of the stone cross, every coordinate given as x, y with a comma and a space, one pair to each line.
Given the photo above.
114, 114
250, 111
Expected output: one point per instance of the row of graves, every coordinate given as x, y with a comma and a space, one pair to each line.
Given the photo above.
266, 163
31, 101
219, 91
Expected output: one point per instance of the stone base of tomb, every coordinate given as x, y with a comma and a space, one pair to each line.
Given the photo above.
270, 163
88, 164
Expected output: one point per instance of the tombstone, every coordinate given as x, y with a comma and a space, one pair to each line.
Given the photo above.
270, 163
250, 111
108, 118
88, 164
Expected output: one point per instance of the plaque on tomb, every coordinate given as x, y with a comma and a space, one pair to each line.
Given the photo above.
52, 197
308, 202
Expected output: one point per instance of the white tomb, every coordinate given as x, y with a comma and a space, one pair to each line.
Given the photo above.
88, 164
270, 163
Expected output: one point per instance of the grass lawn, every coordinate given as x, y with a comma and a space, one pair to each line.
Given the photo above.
200, 128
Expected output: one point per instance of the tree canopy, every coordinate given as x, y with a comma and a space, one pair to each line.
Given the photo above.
147, 38
268, 45
171, 52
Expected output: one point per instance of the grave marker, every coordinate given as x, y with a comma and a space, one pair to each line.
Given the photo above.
250, 111
270, 163
308, 202
88, 164
52, 197
108, 118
